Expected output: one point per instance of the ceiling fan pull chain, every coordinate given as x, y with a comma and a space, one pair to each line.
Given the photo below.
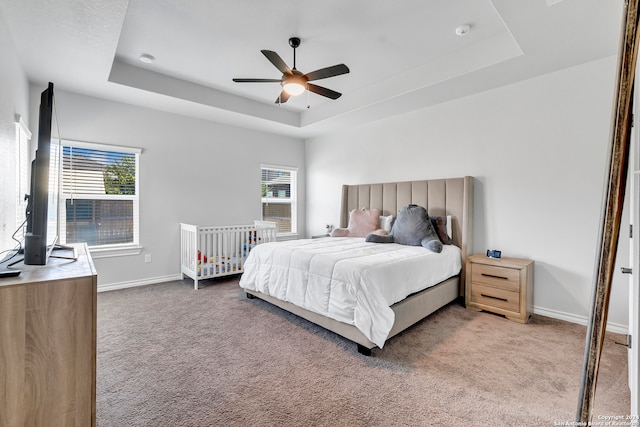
308, 102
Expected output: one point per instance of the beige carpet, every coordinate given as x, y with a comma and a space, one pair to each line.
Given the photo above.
172, 356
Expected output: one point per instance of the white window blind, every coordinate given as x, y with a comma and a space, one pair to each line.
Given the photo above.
100, 194
278, 196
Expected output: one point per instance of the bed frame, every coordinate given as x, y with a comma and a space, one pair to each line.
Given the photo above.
453, 196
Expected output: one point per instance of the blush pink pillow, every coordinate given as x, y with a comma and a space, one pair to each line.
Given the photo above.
361, 223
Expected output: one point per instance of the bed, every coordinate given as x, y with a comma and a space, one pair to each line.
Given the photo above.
310, 260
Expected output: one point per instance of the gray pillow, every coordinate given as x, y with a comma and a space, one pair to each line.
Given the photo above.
412, 227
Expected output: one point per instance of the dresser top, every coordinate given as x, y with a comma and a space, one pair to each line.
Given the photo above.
56, 268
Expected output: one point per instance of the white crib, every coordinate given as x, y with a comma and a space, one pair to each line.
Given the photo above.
208, 252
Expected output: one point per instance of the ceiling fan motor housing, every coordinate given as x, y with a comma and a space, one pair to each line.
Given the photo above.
294, 42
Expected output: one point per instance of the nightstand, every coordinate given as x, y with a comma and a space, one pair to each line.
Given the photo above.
500, 285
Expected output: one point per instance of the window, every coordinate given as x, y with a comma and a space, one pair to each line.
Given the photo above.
23, 136
278, 195
99, 198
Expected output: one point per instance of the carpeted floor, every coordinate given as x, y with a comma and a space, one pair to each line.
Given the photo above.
172, 356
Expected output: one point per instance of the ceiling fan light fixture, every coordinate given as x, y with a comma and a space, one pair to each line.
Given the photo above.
294, 88
294, 84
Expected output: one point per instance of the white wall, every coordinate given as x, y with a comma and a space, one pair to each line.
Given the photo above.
191, 170
14, 97
537, 150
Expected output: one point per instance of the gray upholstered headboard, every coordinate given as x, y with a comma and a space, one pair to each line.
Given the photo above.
452, 196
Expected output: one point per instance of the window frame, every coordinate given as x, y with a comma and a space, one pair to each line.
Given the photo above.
292, 200
109, 250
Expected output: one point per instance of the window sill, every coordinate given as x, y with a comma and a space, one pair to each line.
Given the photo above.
114, 251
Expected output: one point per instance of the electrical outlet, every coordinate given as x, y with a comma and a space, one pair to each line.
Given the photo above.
147, 258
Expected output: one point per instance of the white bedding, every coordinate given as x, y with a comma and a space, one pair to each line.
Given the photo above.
346, 278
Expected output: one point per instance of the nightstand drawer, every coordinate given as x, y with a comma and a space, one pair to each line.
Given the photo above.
499, 277
495, 297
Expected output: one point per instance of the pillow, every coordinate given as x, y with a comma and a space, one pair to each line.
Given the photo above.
385, 223
412, 227
361, 222
442, 224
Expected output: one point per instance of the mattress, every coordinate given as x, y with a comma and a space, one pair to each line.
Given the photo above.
346, 278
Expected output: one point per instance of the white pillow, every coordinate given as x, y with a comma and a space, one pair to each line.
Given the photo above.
386, 222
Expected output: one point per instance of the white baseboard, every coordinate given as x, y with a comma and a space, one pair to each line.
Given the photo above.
581, 320
134, 283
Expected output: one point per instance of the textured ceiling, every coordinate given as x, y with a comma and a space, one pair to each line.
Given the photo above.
402, 55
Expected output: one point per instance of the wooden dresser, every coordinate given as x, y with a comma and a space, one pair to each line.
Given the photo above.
48, 343
500, 285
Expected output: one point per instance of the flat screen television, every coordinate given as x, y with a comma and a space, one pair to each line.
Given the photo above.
41, 213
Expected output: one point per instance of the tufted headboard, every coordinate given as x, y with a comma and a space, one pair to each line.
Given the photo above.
452, 196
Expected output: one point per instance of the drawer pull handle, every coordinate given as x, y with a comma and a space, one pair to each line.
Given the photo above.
491, 296
494, 276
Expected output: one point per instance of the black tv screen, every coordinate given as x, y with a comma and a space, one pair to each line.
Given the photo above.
38, 209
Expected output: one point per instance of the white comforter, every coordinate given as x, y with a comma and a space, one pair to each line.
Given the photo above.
346, 278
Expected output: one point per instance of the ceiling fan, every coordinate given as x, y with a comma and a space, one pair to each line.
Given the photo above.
293, 82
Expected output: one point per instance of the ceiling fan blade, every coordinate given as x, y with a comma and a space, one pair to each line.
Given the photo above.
324, 73
323, 91
275, 59
284, 97
257, 80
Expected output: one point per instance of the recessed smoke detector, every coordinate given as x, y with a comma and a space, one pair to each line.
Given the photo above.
463, 29
147, 58
552, 2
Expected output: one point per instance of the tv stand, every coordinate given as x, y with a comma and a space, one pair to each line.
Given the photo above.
57, 247
48, 344
8, 272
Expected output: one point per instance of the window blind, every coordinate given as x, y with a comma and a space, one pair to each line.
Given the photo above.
276, 183
89, 171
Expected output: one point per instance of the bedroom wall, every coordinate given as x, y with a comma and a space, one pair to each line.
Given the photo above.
537, 150
14, 98
191, 170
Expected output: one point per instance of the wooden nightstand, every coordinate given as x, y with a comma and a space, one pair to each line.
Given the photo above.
503, 286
